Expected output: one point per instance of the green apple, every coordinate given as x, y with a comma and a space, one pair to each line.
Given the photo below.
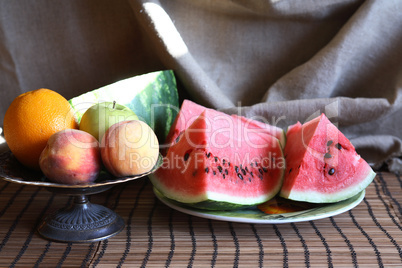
99, 117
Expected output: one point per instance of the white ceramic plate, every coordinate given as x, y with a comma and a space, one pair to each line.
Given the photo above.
254, 215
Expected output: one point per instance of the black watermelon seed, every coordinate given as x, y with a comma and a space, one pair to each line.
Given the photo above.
256, 164
240, 176
249, 179
260, 170
260, 176
251, 164
229, 164
329, 142
223, 175
243, 171
265, 169
216, 159
290, 170
220, 169
331, 171
246, 169
298, 167
252, 175
186, 156
338, 146
223, 161
213, 172
208, 154
237, 169
327, 155
206, 170
226, 172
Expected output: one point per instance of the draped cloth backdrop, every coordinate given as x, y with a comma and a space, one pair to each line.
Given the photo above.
280, 61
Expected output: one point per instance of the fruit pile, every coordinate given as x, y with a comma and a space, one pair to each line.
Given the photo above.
212, 160
42, 132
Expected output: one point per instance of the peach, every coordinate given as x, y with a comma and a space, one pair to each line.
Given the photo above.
129, 148
71, 157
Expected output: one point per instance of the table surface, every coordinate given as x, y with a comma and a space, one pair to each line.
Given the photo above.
369, 235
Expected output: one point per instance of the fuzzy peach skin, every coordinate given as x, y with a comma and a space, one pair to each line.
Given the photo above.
129, 148
71, 157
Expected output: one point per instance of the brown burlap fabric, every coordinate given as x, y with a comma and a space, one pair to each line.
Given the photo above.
280, 61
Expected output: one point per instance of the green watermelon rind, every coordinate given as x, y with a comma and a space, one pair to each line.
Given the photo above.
216, 201
152, 96
283, 139
318, 197
208, 204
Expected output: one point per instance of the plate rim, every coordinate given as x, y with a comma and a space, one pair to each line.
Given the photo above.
280, 218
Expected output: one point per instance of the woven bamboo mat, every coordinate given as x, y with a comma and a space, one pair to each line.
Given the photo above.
370, 235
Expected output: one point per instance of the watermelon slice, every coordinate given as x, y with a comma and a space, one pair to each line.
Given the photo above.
190, 111
322, 165
221, 162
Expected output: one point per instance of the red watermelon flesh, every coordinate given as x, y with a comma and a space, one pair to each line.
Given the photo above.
190, 111
321, 164
219, 163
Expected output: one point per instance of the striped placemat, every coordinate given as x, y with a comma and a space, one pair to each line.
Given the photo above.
370, 235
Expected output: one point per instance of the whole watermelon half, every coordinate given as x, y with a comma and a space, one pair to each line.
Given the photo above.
322, 166
152, 96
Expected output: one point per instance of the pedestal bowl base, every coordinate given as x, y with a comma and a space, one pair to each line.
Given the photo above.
81, 222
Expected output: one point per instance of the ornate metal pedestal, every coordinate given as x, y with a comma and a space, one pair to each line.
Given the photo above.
83, 221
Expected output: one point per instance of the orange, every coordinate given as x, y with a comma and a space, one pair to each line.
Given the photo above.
31, 119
